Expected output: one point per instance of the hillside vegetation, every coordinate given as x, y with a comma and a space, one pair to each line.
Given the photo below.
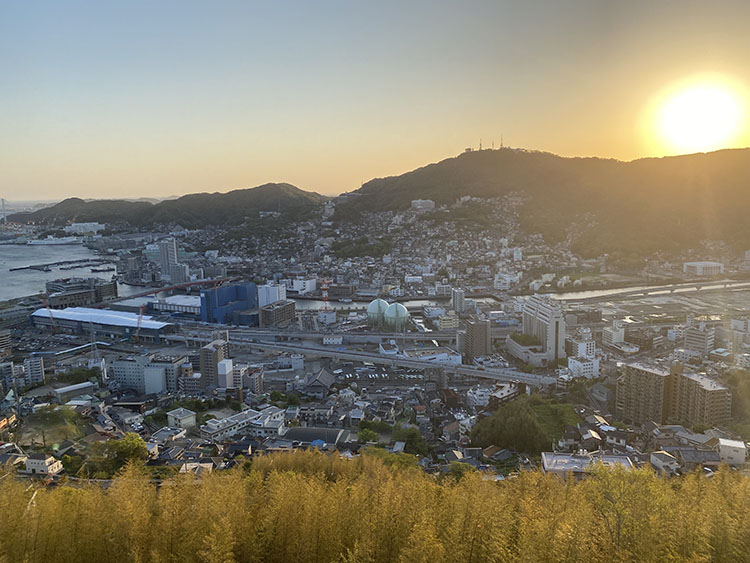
308, 507
633, 207
193, 210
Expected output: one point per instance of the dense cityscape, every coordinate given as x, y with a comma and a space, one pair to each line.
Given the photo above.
375, 282
415, 332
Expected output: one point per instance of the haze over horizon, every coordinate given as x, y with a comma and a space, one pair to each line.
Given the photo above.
139, 100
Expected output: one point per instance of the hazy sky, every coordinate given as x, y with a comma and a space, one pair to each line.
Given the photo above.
131, 98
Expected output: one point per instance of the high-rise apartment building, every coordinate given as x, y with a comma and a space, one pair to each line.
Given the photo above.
210, 356
648, 393
5, 343
543, 319
168, 255
458, 298
478, 340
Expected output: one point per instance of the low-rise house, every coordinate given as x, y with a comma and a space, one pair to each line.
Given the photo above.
581, 464
319, 384
732, 452
616, 438
166, 435
43, 464
664, 462
181, 418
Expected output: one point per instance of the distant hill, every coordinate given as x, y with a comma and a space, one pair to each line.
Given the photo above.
194, 210
622, 207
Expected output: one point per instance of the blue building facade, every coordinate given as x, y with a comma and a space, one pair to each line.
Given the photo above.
218, 304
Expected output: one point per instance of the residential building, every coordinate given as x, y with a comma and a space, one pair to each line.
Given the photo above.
181, 418
613, 335
167, 255
581, 464
581, 366
225, 370
179, 273
210, 356
478, 341
700, 338
5, 343
43, 464
281, 313
257, 424
649, 393
458, 298
34, 370
732, 452
422, 204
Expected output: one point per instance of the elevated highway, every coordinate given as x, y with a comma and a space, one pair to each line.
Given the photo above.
505, 375
679, 288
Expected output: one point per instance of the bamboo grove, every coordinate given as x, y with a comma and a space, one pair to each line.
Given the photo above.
307, 506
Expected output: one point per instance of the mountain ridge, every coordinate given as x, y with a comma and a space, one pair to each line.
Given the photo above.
629, 207
190, 210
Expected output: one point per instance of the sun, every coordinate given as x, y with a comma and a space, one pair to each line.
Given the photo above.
701, 117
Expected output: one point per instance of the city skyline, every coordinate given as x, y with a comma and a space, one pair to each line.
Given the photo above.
153, 101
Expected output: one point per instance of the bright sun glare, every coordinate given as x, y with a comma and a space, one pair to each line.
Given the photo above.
701, 118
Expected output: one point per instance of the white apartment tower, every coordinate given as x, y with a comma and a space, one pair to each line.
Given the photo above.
168, 255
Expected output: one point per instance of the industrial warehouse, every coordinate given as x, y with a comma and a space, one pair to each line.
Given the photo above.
112, 324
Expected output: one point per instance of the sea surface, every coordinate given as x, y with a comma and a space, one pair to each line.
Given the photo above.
30, 282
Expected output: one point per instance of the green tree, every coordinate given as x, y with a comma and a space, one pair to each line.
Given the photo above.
514, 426
366, 435
118, 453
414, 443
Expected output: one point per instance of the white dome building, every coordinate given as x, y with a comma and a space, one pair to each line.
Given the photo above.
396, 316
376, 311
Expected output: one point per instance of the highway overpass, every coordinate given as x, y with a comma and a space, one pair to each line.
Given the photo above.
506, 375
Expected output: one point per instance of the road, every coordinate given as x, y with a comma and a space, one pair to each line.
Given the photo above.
507, 375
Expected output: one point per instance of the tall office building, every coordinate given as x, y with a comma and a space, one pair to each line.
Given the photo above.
210, 356
543, 318
168, 255
478, 340
648, 393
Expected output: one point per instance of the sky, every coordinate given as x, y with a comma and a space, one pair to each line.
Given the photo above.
151, 99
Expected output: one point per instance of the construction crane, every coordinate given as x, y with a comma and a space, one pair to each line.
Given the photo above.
138, 324
45, 302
